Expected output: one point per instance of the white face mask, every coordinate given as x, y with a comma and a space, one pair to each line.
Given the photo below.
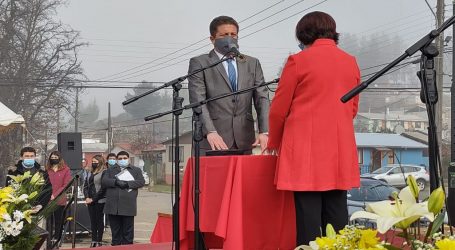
123, 163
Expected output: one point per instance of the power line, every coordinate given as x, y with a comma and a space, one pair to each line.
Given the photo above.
186, 59
175, 52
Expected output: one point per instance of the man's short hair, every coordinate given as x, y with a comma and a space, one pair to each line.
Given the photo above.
218, 21
123, 153
111, 155
315, 25
28, 150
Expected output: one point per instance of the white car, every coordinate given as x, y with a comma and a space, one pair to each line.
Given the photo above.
396, 175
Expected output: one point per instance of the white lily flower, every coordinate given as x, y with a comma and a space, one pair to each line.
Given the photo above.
18, 215
401, 212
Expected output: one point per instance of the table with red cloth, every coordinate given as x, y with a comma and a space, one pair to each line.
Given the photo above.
240, 207
163, 229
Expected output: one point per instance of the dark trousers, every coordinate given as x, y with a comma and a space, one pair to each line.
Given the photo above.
122, 228
57, 222
95, 211
314, 210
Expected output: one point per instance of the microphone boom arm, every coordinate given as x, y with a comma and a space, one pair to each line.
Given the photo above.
203, 102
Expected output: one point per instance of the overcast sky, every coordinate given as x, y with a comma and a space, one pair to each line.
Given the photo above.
123, 34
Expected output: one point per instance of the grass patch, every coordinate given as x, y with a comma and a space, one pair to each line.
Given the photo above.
160, 188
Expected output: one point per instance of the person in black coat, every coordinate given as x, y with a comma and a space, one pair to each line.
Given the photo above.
121, 198
28, 163
95, 197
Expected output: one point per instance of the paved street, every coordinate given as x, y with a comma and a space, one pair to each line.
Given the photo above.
149, 204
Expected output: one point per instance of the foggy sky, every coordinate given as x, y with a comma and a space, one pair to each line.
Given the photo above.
126, 33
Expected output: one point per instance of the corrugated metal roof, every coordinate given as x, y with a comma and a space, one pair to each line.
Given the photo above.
94, 147
386, 140
393, 116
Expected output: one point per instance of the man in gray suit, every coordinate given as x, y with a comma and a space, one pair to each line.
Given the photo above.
228, 123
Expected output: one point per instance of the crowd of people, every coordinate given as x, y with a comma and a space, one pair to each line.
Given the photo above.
110, 187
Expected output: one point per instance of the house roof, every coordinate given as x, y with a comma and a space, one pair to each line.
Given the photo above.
137, 150
419, 136
378, 140
184, 135
397, 116
94, 147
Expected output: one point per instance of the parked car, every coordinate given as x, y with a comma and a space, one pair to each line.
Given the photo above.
396, 176
370, 190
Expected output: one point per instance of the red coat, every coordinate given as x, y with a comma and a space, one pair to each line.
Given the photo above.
310, 126
59, 180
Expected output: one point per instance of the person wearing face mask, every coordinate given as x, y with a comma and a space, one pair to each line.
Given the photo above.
28, 163
59, 176
122, 182
111, 160
228, 123
95, 198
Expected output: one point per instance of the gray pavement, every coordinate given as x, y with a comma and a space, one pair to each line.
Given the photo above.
149, 205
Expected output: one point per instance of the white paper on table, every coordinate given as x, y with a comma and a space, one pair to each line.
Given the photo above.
125, 175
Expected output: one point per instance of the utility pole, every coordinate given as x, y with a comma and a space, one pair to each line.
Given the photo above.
109, 128
58, 120
76, 112
451, 170
439, 70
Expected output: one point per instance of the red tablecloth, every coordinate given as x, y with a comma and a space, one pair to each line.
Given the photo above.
163, 229
240, 207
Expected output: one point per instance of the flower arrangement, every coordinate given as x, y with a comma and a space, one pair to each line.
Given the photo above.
18, 216
404, 213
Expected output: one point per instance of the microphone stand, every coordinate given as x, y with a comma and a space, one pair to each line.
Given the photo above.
197, 111
197, 138
428, 95
177, 105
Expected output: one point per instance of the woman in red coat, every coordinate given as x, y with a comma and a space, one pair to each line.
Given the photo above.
312, 130
59, 176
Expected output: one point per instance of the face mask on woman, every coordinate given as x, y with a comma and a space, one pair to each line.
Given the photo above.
54, 161
94, 165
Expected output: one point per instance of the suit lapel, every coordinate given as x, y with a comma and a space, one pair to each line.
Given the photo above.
241, 68
213, 57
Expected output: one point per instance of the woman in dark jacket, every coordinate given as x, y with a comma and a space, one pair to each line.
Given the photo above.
95, 197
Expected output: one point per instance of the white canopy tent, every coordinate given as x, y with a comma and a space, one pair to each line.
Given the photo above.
9, 119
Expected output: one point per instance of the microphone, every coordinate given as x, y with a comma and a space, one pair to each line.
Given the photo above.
234, 51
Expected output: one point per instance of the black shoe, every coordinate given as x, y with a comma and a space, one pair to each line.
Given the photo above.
93, 244
99, 244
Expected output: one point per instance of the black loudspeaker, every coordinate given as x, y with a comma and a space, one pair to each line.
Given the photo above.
70, 146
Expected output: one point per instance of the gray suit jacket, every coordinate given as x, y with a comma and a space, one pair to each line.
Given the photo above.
231, 117
120, 201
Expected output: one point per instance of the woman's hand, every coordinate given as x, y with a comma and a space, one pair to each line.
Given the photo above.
270, 151
88, 201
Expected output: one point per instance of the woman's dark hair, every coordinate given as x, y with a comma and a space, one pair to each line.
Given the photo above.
316, 25
218, 21
101, 164
61, 163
